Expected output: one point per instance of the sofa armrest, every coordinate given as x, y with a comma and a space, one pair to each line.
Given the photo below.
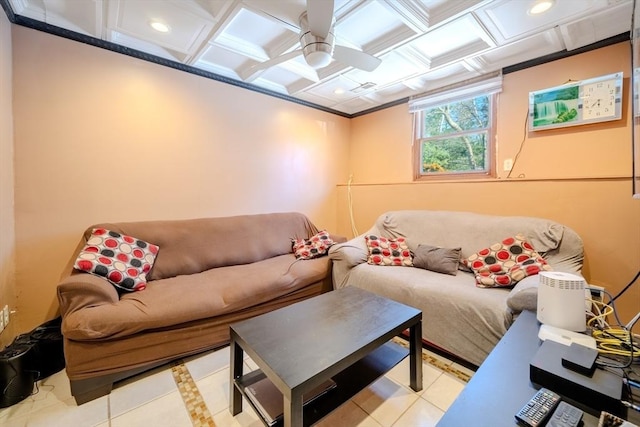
81, 290
345, 256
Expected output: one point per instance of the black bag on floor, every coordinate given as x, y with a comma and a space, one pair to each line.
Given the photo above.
48, 354
29, 358
16, 377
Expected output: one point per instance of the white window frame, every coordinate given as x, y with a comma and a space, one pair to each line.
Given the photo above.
485, 85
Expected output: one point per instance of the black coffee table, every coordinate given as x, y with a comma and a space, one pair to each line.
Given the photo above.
343, 335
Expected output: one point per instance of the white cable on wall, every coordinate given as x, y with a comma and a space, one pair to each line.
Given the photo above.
354, 230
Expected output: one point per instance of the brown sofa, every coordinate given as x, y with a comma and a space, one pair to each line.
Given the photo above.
208, 273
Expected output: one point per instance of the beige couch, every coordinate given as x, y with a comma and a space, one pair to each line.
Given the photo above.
458, 317
208, 273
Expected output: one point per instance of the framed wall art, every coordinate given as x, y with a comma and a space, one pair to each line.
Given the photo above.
577, 103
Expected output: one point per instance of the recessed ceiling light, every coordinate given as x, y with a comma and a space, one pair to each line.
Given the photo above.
339, 91
160, 26
540, 6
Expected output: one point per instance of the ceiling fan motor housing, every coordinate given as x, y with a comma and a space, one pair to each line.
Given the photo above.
317, 51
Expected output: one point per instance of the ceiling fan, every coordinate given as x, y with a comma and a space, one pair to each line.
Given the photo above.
317, 43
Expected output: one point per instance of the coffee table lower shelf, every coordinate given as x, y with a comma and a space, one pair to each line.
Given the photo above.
348, 382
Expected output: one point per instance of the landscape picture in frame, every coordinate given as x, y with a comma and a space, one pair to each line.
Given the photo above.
554, 107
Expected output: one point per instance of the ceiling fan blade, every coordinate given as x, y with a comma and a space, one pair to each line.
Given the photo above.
254, 72
320, 16
356, 58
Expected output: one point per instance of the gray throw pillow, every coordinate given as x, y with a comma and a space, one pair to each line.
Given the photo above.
440, 260
524, 296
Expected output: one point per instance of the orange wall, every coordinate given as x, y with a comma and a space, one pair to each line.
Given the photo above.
579, 176
101, 136
7, 227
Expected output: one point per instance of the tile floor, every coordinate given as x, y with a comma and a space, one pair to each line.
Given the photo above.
196, 393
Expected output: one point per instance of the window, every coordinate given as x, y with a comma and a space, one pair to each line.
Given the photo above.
454, 131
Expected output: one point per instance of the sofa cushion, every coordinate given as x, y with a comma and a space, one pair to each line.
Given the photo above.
440, 260
506, 262
123, 260
383, 251
457, 316
187, 298
314, 247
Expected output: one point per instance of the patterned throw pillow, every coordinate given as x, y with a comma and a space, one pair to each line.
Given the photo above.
122, 260
383, 251
506, 263
314, 247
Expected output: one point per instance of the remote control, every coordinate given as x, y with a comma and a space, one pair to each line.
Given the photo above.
565, 415
537, 410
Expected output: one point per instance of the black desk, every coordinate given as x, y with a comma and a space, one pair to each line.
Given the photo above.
501, 386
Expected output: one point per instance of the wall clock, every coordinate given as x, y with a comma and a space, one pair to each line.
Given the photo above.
577, 103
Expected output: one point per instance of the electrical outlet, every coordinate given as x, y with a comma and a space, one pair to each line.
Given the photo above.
5, 315
597, 292
507, 165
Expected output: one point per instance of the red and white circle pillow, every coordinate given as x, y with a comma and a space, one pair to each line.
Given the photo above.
123, 260
313, 247
383, 251
506, 263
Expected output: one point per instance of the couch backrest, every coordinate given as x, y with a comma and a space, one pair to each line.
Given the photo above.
557, 243
194, 245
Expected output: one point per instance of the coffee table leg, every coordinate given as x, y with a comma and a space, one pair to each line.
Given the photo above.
293, 410
235, 397
415, 356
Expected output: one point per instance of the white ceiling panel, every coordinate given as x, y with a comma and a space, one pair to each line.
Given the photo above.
454, 37
30, 9
366, 24
299, 66
220, 60
593, 28
513, 20
83, 17
513, 53
354, 105
338, 87
394, 67
281, 77
249, 28
443, 11
390, 93
187, 29
144, 46
422, 44
441, 77
309, 97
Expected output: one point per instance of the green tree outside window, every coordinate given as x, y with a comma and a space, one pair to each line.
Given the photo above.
455, 138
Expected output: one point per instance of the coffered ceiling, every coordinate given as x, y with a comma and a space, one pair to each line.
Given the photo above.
422, 44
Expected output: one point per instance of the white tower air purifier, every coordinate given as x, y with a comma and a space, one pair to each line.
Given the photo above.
561, 301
